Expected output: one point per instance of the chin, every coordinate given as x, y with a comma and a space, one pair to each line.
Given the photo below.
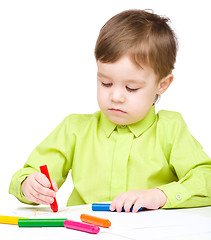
119, 121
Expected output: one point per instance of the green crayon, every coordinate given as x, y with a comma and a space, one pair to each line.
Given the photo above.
51, 222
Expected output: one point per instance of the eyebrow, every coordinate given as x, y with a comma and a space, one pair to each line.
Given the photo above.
136, 81
129, 80
103, 75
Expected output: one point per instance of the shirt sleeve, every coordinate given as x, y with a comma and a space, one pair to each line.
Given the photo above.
56, 151
191, 165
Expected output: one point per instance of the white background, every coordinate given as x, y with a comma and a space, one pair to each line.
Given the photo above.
48, 71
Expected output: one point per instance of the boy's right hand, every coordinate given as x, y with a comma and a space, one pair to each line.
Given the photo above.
36, 188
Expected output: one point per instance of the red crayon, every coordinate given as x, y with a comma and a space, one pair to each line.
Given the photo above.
44, 170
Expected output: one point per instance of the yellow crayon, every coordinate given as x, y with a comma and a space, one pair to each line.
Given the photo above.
10, 220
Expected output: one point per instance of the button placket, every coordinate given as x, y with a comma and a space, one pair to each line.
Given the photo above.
120, 161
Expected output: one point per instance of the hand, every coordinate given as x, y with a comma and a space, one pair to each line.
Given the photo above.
150, 198
36, 189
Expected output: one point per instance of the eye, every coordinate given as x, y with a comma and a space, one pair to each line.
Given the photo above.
132, 89
106, 84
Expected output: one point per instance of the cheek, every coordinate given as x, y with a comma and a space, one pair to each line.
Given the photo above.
98, 95
149, 93
101, 96
143, 99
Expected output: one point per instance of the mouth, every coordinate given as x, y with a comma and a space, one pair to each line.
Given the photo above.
116, 110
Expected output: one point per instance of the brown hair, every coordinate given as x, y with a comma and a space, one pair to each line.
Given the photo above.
145, 37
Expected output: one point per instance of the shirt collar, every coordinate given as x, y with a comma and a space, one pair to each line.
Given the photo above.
136, 128
108, 125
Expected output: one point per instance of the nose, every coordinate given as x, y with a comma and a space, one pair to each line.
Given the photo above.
117, 95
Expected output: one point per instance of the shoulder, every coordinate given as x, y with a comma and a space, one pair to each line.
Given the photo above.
170, 118
79, 122
175, 134
170, 122
81, 117
164, 115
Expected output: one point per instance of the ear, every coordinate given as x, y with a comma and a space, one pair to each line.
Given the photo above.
164, 84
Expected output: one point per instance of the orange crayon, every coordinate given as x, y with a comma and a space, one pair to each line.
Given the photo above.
95, 220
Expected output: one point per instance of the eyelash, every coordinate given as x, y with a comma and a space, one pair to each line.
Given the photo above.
132, 89
106, 84
128, 89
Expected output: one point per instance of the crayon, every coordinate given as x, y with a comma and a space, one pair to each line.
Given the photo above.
106, 207
101, 222
10, 220
44, 170
81, 227
51, 222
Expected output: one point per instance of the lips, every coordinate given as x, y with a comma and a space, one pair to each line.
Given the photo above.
116, 110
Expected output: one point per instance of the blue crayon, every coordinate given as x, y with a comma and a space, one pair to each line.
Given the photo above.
106, 207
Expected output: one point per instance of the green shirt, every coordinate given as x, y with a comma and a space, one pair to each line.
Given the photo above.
107, 159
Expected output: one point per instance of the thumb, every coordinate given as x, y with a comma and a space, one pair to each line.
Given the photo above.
55, 187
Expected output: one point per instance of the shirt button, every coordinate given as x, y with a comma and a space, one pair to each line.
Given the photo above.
122, 126
179, 196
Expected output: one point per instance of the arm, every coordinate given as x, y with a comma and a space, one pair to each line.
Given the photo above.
193, 169
56, 151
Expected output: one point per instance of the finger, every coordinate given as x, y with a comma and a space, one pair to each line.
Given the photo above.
37, 200
42, 179
42, 186
43, 191
120, 202
128, 203
113, 204
33, 196
45, 199
137, 205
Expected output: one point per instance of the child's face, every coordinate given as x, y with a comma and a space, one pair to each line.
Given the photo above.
125, 93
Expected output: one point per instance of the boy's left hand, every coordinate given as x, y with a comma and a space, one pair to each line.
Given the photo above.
150, 199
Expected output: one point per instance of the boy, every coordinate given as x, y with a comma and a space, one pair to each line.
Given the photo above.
124, 153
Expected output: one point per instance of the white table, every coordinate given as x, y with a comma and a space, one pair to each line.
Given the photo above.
142, 225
